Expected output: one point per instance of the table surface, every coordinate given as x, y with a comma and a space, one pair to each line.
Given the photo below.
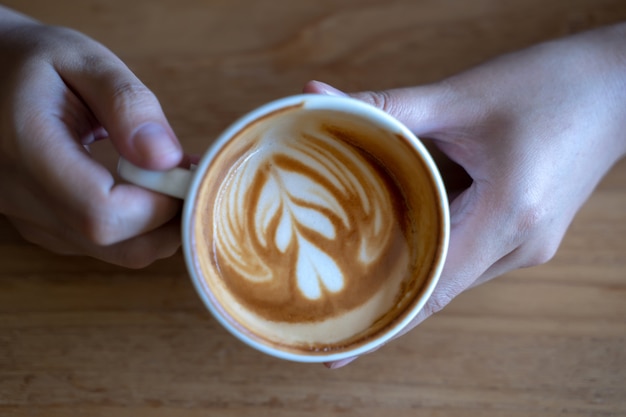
82, 338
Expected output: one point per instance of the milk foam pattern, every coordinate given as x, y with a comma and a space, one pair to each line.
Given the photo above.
290, 201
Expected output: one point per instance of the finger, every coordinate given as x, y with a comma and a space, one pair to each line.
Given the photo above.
318, 87
137, 252
128, 110
340, 363
142, 250
82, 192
422, 109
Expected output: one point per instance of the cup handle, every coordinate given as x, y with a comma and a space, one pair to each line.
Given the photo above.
174, 182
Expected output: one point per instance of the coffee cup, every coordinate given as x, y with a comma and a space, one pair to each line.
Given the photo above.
314, 228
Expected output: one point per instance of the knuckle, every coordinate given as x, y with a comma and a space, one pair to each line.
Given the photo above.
533, 232
99, 226
382, 100
541, 253
527, 218
132, 93
437, 302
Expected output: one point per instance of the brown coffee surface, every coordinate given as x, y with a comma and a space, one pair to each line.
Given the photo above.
304, 230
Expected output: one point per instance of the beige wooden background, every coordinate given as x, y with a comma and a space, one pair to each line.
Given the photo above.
82, 338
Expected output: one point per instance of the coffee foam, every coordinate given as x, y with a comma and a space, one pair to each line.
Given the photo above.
305, 238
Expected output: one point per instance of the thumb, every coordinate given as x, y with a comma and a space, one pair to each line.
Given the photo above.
421, 108
126, 108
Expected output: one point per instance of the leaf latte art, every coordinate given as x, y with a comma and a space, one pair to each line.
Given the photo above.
306, 228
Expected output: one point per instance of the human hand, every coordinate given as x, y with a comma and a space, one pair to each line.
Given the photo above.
533, 133
59, 92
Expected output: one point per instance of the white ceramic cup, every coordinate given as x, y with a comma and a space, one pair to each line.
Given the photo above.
426, 253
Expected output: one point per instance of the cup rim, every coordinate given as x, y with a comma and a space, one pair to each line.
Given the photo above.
315, 102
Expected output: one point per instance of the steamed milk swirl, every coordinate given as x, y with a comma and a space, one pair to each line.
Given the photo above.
308, 236
290, 209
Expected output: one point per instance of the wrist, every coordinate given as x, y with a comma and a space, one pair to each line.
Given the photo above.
604, 55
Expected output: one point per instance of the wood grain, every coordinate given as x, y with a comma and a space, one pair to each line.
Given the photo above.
80, 337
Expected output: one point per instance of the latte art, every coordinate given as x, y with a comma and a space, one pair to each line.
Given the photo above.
304, 234
305, 224
293, 202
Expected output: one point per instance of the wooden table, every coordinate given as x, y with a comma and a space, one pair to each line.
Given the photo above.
82, 338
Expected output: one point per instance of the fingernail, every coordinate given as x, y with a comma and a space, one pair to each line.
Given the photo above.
156, 146
340, 364
328, 89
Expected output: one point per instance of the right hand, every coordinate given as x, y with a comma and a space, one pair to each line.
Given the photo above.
533, 132
59, 92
